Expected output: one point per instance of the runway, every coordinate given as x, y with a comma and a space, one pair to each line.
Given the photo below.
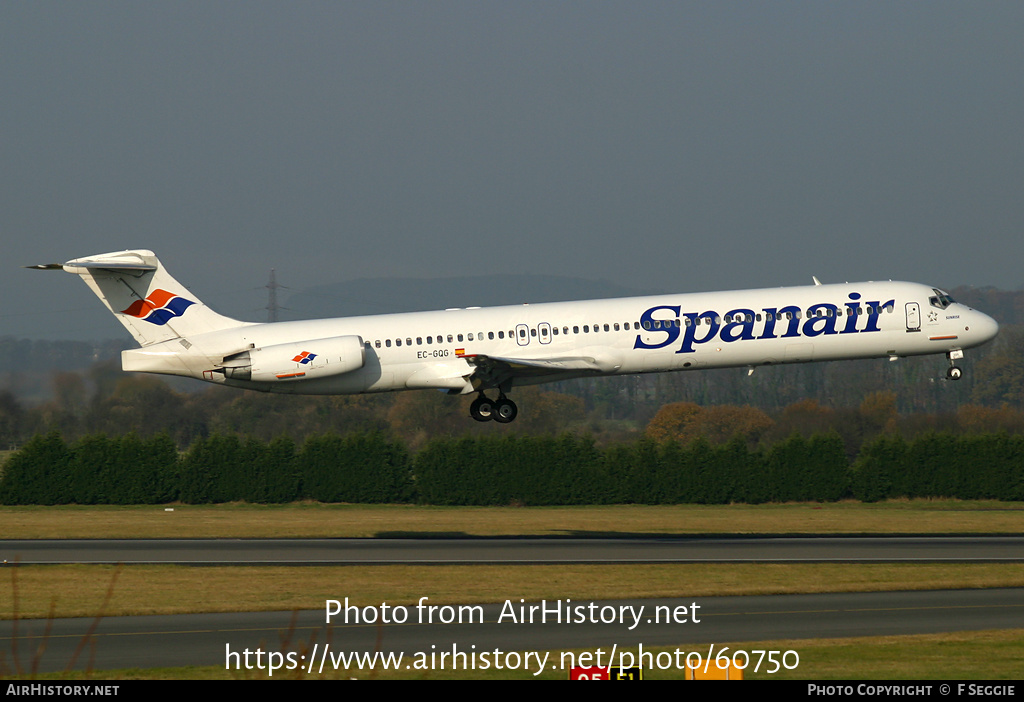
207, 639
442, 551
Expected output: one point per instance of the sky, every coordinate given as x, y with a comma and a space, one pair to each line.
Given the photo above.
665, 146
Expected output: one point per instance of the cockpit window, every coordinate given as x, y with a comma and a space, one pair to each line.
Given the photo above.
940, 299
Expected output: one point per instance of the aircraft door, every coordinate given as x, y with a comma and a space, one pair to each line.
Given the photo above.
544, 332
913, 317
522, 334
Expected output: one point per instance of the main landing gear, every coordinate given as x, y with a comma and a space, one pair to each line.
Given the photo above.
501, 410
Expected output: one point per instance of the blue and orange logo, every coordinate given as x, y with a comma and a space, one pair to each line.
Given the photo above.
159, 308
304, 357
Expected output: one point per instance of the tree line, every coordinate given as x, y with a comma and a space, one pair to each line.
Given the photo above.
370, 467
108, 401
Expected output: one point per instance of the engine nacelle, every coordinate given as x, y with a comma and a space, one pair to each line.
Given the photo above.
303, 360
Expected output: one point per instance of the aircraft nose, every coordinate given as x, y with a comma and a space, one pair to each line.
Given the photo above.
983, 327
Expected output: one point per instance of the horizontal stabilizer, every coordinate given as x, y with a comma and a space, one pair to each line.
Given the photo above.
127, 263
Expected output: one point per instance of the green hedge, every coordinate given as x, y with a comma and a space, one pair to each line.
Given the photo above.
566, 470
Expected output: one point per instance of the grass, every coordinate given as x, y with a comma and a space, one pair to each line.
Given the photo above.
79, 590
318, 520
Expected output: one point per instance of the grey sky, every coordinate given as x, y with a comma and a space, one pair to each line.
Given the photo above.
677, 146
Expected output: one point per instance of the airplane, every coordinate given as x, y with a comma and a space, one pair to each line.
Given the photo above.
475, 350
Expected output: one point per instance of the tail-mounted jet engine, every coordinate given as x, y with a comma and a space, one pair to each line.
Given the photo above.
304, 360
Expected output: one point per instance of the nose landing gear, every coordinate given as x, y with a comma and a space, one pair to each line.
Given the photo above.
954, 372
502, 410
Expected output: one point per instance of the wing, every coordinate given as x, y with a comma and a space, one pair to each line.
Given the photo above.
496, 371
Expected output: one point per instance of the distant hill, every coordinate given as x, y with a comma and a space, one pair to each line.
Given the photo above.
34, 355
382, 296
1004, 306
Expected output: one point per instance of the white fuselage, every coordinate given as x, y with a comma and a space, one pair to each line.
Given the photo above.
596, 337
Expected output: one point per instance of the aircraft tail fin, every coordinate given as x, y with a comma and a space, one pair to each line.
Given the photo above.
144, 297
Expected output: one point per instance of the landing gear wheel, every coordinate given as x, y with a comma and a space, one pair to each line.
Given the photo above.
954, 373
505, 410
482, 409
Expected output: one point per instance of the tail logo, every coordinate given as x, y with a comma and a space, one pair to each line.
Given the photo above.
304, 357
159, 308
